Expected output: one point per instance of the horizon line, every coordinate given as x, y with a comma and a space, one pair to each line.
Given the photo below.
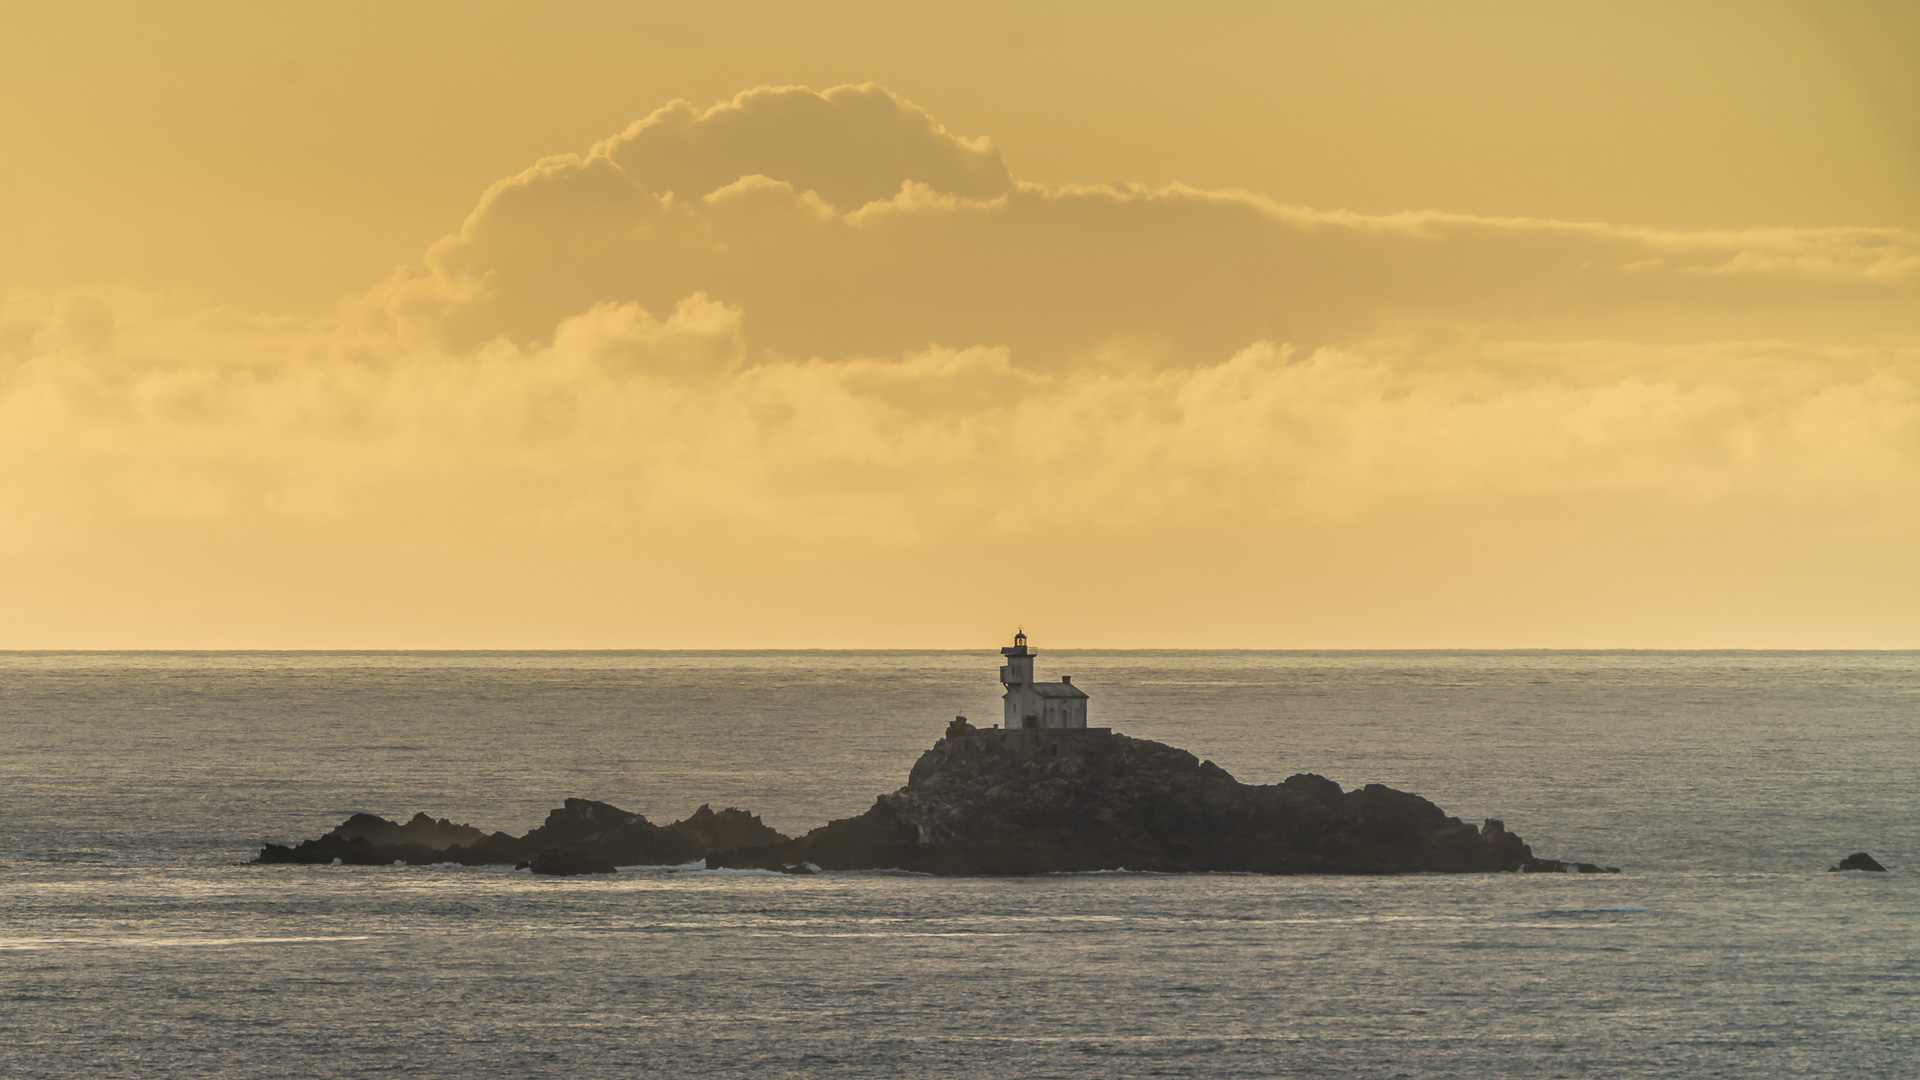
385, 650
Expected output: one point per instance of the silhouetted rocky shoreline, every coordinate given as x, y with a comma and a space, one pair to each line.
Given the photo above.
998, 802
581, 837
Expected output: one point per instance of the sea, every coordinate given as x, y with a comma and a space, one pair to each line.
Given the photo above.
137, 941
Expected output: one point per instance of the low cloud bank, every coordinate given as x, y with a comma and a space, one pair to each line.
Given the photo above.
660, 420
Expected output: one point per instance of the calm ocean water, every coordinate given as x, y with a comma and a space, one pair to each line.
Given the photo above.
132, 944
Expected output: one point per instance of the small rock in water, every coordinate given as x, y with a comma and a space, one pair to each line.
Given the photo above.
569, 863
1859, 860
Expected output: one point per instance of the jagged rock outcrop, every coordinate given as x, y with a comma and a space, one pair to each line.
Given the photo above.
1859, 860
1023, 802
570, 862
581, 836
631, 840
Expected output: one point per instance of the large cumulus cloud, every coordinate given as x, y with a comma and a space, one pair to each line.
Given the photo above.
849, 223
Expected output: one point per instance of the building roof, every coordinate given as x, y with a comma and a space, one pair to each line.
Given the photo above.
1057, 689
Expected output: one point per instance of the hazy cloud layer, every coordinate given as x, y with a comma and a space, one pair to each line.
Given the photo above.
821, 319
642, 419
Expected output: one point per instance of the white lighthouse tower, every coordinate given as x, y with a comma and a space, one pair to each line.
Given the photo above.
1033, 704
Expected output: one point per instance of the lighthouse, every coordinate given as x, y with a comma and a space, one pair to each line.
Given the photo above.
1033, 704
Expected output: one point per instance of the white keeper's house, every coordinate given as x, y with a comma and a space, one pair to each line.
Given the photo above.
1033, 704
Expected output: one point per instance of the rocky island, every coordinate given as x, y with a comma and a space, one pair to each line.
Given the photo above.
1044, 794
1030, 802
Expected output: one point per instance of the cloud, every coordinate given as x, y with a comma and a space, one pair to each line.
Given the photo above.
662, 421
806, 324
851, 145
848, 222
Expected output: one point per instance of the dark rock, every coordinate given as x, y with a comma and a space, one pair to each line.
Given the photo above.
1555, 866
707, 831
1859, 860
608, 833
1024, 802
569, 862
632, 840
1000, 802
1324, 791
366, 840
351, 850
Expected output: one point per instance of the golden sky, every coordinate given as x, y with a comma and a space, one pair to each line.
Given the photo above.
1356, 325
